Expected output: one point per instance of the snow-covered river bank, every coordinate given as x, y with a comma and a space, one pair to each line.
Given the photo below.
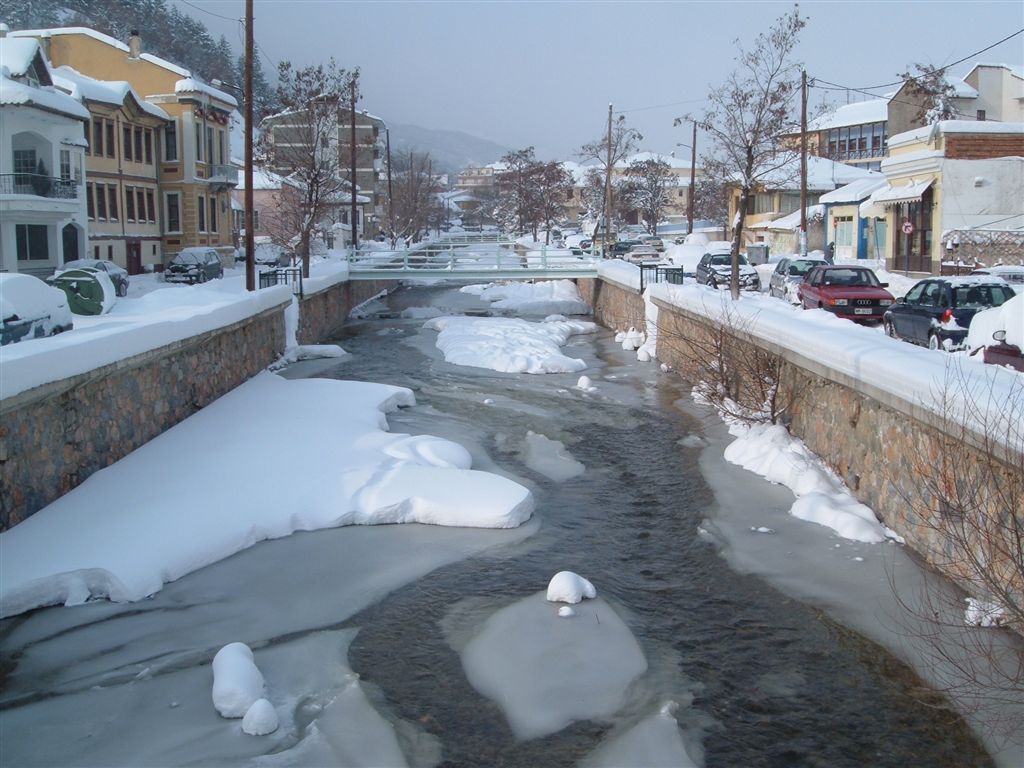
414, 644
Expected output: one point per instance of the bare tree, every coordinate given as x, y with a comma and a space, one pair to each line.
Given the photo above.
746, 116
552, 184
652, 183
936, 93
302, 142
516, 190
414, 205
609, 152
709, 200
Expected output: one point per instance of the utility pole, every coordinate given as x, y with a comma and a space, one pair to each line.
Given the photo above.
352, 157
250, 234
803, 163
607, 187
693, 180
391, 210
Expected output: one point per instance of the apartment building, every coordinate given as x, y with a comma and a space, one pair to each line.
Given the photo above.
192, 151
43, 220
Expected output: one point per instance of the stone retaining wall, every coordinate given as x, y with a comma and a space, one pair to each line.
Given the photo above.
324, 313
615, 306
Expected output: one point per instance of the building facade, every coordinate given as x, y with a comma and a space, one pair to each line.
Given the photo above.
192, 150
43, 219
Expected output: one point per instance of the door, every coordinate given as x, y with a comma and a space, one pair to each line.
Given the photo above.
134, 249
69, 236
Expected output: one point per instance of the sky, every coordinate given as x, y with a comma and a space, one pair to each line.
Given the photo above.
543, 73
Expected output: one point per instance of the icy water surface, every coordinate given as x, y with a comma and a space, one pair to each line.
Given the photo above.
759, 679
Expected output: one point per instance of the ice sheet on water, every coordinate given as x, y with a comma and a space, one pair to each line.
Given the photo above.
654, 742
546, 672
543, 298
550, 458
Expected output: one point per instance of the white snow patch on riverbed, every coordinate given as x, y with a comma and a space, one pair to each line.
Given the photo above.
508, 345
770, 451
546, 298
550, 458
545, 672
201, 491
569, 587
237, 682
654, 742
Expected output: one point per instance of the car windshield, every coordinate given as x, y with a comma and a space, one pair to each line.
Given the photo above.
861, 277
78, 264
722, 259
801, 267
975, 296
186, 258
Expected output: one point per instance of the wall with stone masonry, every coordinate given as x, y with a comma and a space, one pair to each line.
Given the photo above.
54, 436
324, 313
615, 306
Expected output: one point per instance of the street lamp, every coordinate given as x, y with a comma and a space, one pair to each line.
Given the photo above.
693, 178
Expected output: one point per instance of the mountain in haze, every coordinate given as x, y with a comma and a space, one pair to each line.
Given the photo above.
450, 150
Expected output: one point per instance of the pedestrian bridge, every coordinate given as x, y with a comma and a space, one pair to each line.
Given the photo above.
469, 257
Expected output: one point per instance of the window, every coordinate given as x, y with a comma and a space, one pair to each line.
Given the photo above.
199, 143
85, 131
255, 220
126, 142
140, 197
65, 165
129, 203
172, 202
108, 126
138, 145
981, 114
112, 202
209, 144
171, 141
148, 136
201, 208
844, 230
101, 202
150, 207
221, 145
213, 213
32, 242
24, 167
97, 136
90, 208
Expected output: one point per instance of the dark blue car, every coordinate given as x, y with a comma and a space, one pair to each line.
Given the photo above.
937, 311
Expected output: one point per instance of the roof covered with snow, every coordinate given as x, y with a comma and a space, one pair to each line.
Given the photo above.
928, 132
791, 221
98, 36
853, 192
87, 88
17, 54
13, 93
194, 85
640, 157
870, 111
822, 174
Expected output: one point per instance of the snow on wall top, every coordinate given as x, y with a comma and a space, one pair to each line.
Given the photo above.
87, 88
192, 85
928, 132
17, 54
107, 39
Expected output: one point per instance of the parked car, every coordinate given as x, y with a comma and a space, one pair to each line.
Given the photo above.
788, 275
999, 333
1014, 275
936, 312
31, 309
641, 253
586, 245
194, 265
118, 275
847, 291
622, 247
654, 241
715, 269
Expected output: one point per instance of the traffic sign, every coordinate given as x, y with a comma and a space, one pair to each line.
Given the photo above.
907, 228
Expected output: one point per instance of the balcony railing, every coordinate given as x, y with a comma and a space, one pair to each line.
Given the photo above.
38, 185
223, 174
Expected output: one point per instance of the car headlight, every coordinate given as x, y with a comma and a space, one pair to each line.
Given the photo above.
885, 302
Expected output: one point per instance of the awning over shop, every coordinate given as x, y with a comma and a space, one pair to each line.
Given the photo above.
906, 193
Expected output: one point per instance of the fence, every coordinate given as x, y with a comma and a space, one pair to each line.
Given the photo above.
659, 273
38, 185
283, 276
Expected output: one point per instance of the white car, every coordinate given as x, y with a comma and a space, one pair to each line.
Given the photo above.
1014, 275
31, 309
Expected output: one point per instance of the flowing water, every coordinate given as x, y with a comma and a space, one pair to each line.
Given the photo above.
762, 679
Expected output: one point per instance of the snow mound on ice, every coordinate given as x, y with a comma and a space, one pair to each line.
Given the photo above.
569, 587
546, 298
260, 719
551, 458
237, 683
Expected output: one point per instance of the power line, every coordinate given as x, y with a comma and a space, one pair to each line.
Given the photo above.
658, 106
211, 13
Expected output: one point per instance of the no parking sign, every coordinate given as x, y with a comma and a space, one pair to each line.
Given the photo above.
907, 228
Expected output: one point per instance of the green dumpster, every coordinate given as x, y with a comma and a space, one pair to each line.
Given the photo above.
85, 289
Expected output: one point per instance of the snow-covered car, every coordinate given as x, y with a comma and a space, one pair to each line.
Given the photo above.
194, 265
654, 241
640, 253
999, 334
715, 269
31, 309
846, 291
788, 274
937, 312
118, 275
1014, 275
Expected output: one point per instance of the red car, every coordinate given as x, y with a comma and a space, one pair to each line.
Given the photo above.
847, 291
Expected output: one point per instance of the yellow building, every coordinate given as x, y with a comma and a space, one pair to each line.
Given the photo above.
192, 150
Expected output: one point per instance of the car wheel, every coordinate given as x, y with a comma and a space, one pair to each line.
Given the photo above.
890, 329
202, 277
933, 341
122, 289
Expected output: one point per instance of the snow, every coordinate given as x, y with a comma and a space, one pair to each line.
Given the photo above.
107, 39
261, 719
191, 85
237, 683
895, 194
550, 458
654, 742
20, 94
17, 54
869, 111
791, 221
585, 384
853, 192
954, 126
27, 297
983, 613
508, 345
569, 587
546, 673
1009, 317
121, 535
543, 298
85, 88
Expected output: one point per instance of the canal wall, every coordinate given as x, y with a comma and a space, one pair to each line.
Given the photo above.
54, 436
887, 450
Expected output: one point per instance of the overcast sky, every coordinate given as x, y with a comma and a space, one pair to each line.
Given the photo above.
543, 73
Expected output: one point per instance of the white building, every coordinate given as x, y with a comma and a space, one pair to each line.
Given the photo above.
43, 220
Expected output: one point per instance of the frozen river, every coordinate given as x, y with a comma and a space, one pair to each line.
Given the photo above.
392, 645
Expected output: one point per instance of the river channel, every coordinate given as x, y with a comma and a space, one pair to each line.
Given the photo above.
760, 678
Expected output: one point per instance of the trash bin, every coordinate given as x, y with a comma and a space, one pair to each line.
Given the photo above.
87, 290
757, 253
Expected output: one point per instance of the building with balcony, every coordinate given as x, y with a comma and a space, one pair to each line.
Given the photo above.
121, 168
192, 151
43, 220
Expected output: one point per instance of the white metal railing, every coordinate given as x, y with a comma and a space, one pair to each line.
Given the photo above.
469, 254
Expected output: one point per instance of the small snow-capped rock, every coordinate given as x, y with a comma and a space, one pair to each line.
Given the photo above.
566, 612
237, 682
569, 587
261, 718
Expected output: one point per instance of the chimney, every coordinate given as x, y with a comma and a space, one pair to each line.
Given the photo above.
4, 29
134, 44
